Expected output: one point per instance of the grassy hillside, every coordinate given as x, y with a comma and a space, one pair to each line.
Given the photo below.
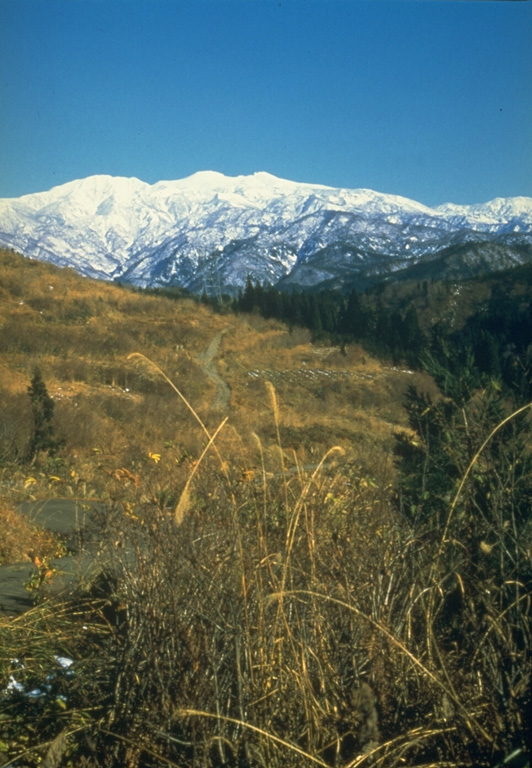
305, 556
81, 335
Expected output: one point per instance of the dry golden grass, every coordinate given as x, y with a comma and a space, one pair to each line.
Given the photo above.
112, 412
21, 540
289, 618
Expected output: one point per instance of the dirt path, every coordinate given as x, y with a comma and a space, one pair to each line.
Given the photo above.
68, 518
207, 360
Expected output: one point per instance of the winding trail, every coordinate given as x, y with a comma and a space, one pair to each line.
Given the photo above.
69, 518
207, 360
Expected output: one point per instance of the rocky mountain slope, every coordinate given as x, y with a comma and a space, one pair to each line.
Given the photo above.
210, 232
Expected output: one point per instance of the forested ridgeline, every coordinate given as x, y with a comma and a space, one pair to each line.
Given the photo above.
412, 324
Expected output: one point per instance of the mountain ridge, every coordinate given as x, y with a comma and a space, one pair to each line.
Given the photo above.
209, 232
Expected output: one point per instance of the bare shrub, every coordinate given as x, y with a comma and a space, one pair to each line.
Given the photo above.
70, 368
225, 617
21, 540
27, 338
79, 422
294, 618
15, 427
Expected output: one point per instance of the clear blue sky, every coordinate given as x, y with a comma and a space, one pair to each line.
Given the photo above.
429, 99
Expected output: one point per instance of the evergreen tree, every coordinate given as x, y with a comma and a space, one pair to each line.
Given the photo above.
247, 300
487, 354
42, 405
413, 338
383, 330
328, 312
353, 321
272, 303
315, 321
395, 341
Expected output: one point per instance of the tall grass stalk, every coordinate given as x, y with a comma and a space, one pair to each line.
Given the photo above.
466, 474
184, 500
139, 356
469, 719
256, 729
288, 620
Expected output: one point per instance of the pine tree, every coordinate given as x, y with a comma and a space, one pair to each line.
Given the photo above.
248, 299
413, 338
353, 321
42, 405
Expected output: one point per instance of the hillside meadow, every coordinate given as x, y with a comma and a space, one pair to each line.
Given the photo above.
113, 409
307, 556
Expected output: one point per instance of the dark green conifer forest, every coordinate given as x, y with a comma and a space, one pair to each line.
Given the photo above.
495, 341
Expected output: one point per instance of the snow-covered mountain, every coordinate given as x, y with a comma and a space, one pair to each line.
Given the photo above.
210, 231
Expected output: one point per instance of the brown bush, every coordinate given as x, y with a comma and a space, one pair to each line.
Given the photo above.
21, 541
15, 426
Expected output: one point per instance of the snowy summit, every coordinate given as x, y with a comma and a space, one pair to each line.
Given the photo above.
210, 231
